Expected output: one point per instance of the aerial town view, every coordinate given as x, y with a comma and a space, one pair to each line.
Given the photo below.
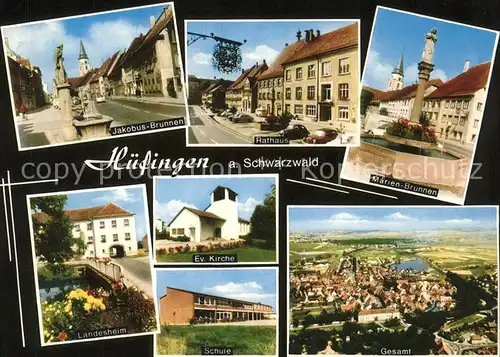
393, 280
291, 82
69, 82
422, 103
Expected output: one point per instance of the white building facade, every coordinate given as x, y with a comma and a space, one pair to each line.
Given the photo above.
108, 231
219, 220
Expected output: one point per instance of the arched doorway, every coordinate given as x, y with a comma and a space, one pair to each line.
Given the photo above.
117, 251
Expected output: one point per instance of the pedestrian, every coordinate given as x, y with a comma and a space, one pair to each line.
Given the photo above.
23, 109
137, 92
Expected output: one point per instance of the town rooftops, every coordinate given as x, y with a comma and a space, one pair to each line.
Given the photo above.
212, 296
276, 69
378, 311
334, 40
243, 220
466, 83
81, 81
377, 94
251, 73
85, 214
406, 92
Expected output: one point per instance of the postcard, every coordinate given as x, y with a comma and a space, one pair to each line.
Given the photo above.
216, 219
393, 280
217, 311
291, 82
93, 265
422, 103
96, 76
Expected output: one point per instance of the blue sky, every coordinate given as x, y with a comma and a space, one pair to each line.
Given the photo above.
400, 219
174, 193
102, 35
255, 285
265, 40
130, 199
394, 31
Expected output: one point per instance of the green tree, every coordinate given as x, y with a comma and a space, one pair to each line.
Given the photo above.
366, 98
263, 220
52, 229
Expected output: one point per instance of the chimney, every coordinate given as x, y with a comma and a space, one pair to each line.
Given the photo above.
318, 33
286, 44
242, 70
311, 34
466, 65
263, 61
299, 35
152, 21
308, 37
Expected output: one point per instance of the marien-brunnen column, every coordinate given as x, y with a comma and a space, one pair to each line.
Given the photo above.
425, 68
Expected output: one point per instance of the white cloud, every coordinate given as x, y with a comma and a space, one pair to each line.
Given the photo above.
202, 58
397, 215
377, 71
465, 221
38, 43
118, 195
260, 53
411, 74
248, 206
167, 211
250, 291
343, 216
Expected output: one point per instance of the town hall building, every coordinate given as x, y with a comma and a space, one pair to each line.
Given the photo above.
219, 220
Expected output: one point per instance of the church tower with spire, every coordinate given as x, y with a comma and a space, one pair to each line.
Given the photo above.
396, 81
83, 61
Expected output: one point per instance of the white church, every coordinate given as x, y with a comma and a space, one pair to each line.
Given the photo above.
219, 220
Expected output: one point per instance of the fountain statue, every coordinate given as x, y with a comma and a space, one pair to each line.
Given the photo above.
90, 123
64, 95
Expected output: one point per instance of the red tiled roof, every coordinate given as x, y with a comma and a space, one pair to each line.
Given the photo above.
276, 69
330, 41
80, 81
407, 92
85, 214
466, 83
204, 214
377, 94
251, 75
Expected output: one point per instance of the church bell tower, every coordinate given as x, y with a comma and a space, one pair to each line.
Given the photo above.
83, 61
396, 81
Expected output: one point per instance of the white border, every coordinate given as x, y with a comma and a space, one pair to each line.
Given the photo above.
358, 21
182, 78
222, 269
240, 176
288, 207
344, 162
35, 269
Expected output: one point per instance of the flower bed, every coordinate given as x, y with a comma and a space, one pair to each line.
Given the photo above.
94, 309
201, 248
412, 131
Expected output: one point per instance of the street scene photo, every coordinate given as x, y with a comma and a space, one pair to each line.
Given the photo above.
93, 266
290, 82
423, 97
393, 280
95, 76
220, 311
216, 219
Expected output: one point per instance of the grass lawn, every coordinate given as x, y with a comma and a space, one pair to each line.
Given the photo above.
189, 340
465, 320
244, 254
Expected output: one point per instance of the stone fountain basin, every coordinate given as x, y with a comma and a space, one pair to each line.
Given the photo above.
410, 142
93, 128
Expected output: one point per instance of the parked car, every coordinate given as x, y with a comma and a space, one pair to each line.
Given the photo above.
241, 118
100, 99
294, 132
261, 112
322, 136
56, 103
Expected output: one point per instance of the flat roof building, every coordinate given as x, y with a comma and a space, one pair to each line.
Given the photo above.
180, 307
